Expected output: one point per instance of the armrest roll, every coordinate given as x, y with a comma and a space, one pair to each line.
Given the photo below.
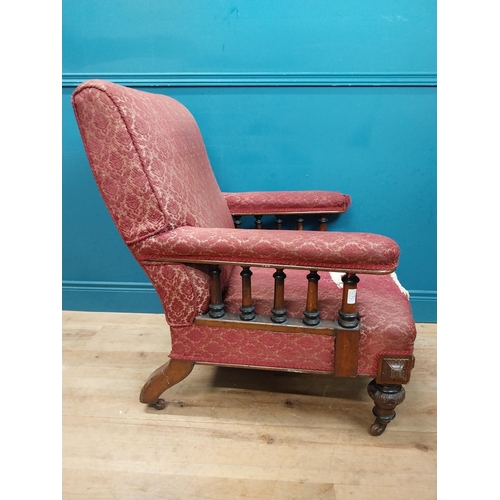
287, 202
329, 251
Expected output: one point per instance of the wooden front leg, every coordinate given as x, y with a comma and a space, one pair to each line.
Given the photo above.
386, 398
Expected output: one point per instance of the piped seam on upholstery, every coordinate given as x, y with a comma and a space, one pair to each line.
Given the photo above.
94, 86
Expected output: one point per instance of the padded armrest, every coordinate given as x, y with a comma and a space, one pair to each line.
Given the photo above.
320, 250
285, 202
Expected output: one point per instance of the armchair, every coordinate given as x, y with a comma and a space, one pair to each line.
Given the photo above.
338, 309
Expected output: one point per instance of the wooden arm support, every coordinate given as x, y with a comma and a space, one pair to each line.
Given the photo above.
322, 220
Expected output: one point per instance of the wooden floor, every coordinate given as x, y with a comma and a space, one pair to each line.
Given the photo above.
229, 433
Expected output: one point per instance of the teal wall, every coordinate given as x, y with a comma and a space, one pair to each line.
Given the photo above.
336, 95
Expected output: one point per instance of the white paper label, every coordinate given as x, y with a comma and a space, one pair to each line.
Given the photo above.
351, 296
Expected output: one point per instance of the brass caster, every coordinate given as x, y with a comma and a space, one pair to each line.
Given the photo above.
377, 429
159, 405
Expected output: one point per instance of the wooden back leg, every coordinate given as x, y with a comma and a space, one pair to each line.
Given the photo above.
162, 379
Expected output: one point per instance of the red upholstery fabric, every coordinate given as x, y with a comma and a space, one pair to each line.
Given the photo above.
387, 326
354, 252
236, 346
282, 202
183, 291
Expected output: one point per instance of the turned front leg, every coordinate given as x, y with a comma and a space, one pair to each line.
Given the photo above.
386, 398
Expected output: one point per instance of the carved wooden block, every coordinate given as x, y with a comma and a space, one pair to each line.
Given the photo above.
395, 369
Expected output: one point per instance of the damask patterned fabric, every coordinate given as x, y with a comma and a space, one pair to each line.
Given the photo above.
353, 252
236, 346
184, 291
282, 202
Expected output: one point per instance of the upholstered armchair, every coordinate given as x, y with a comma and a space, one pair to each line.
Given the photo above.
294, 300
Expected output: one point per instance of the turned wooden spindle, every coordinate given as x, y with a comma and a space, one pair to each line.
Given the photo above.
237, 221
246, 309
311, 314
348, 314
216, 307
258, 221
322, 223
300, 223
279, 310
279, 222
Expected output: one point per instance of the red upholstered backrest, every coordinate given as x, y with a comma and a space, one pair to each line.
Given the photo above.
150, 164
148, 159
